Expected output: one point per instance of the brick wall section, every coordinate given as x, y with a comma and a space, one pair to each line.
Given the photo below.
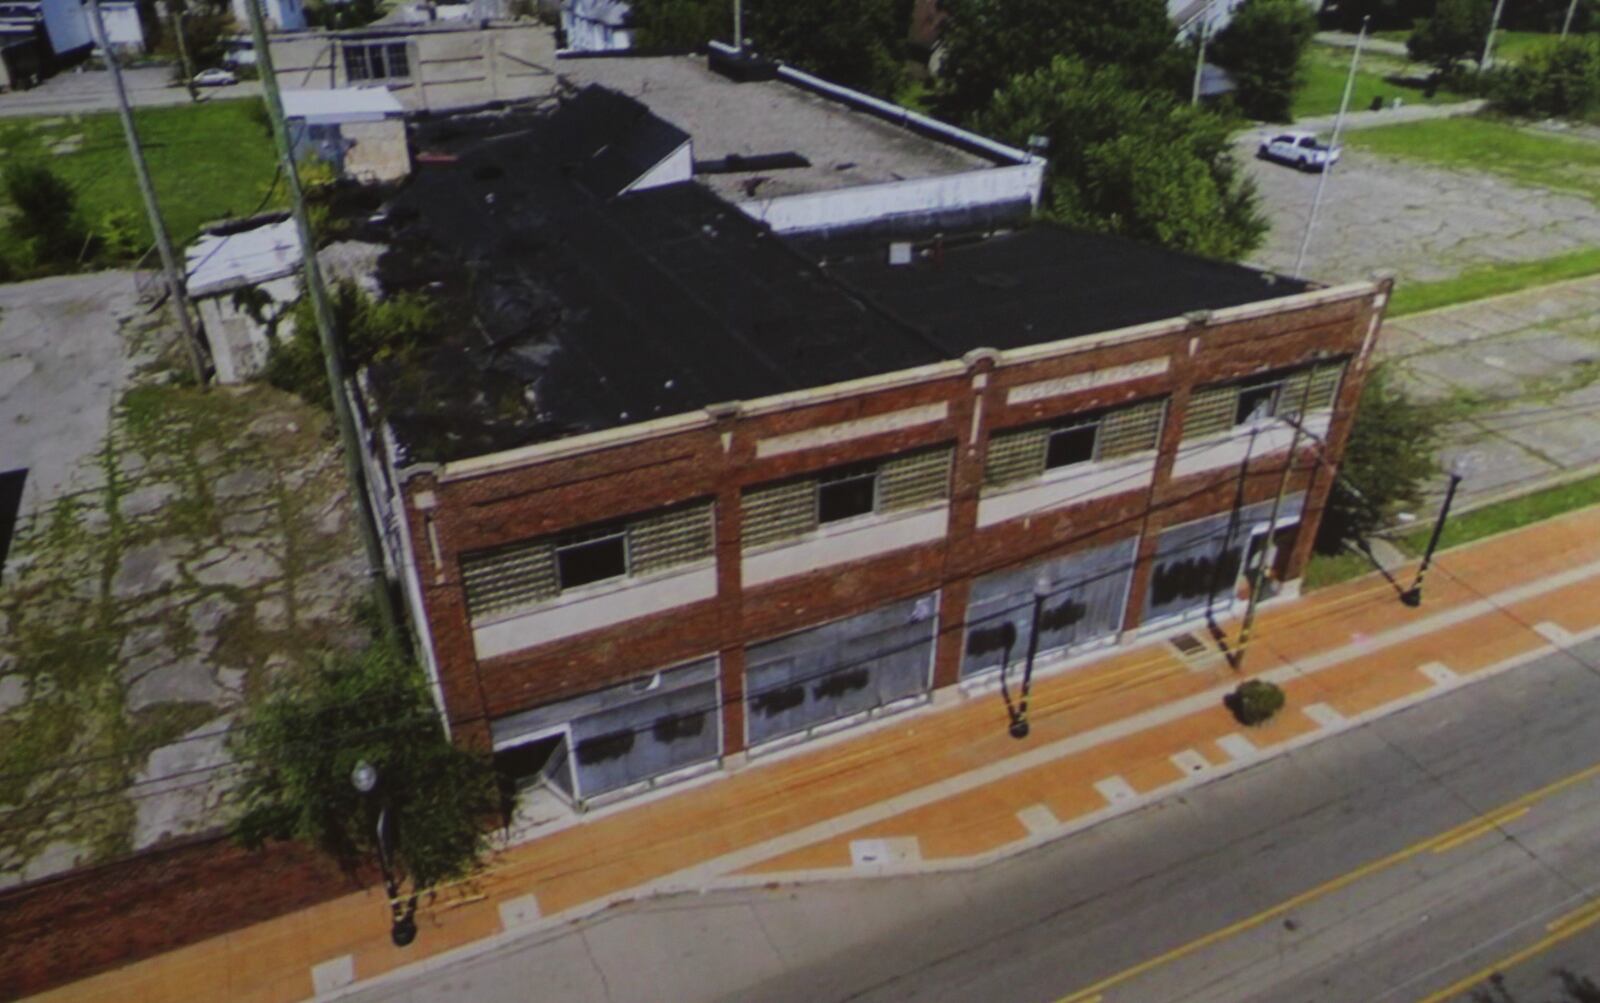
72, 926
717, 458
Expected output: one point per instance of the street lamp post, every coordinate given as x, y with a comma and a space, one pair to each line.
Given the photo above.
1019, 719
1413, 595
402, 918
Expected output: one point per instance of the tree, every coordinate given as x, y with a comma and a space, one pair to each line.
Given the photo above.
372, 331
1560, 80
299, 748
1456, 31
1347, 15
680, 24
1131, 160
46, 224
1261, 48
856, 43
988, 42
1388, 459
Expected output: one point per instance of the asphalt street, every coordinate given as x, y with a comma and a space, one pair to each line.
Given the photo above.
91, 91
1362, 868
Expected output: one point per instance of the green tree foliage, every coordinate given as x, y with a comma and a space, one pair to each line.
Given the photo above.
681, 24
299, 748
857, 43
1387, 461
1261, 48
1255, 701
988, 42
1347, 15
1559, 81
372, 331
1456, 31
120, 236
341, 15
47, 226
1131, 160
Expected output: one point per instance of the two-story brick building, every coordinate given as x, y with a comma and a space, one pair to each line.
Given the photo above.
675, 488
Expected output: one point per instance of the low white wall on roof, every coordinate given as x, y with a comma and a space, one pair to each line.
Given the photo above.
993, 186
675, 167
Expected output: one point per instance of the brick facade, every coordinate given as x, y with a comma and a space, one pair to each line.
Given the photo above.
466, 507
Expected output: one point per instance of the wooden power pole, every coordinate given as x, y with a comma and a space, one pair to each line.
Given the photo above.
332, 356
158, 227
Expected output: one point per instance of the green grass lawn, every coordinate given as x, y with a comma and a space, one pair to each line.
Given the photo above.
1512, 45
208, 161
1326, 68
1540, 159
1506, 515
1331, 569
1493, 280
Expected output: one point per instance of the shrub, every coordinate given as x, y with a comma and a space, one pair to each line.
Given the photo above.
1255, 701
1556, 81
371, 331
47, 222
120, 236
1456, 31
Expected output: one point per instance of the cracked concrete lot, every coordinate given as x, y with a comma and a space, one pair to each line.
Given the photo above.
1425, 223
178, 549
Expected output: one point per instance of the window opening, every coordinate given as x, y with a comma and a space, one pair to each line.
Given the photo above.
1074, 444
595, 556
845, 494
1257, 403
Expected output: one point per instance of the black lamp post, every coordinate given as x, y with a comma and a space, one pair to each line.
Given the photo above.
1019, 719
402, 918
1413, 595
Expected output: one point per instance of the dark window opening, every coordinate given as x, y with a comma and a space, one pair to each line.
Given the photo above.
1257, 403
382, 61
1071, 445
1062, 615
592, 561
1195, 577
847, 494
1000, 637
521, 766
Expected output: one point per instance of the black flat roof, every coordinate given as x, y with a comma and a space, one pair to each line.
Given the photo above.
569, 311
1043, 283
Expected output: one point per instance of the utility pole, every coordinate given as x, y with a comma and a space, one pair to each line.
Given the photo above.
1200, 59
1327, 168
1488, 43
178, 14
1566, 25
331, 357
1258, 574
147, 189
738, 25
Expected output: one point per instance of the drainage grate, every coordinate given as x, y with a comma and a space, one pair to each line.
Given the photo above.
1188, 645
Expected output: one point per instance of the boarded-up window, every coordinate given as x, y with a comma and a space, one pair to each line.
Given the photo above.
1016, 456
1324, 388
507, 577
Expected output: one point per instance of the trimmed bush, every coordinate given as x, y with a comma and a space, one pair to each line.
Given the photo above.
1558, 81
47, 222
1255, 701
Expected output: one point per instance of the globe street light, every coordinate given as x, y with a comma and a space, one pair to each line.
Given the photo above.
1019, 719
402, 918
1458, 469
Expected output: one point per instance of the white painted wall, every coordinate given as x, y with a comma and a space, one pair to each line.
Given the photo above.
1071, 486
280, 15
1271, 436
866, 203
591, 609
123, 29
840, 544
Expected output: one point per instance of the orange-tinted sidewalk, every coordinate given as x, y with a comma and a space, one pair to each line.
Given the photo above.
947, 786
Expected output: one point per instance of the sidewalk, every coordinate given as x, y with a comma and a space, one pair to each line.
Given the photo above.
946, 787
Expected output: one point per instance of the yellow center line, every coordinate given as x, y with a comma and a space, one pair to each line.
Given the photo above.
1483, 828
1484, 822
1564, 928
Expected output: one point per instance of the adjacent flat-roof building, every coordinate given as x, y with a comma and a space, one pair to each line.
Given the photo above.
679, 485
